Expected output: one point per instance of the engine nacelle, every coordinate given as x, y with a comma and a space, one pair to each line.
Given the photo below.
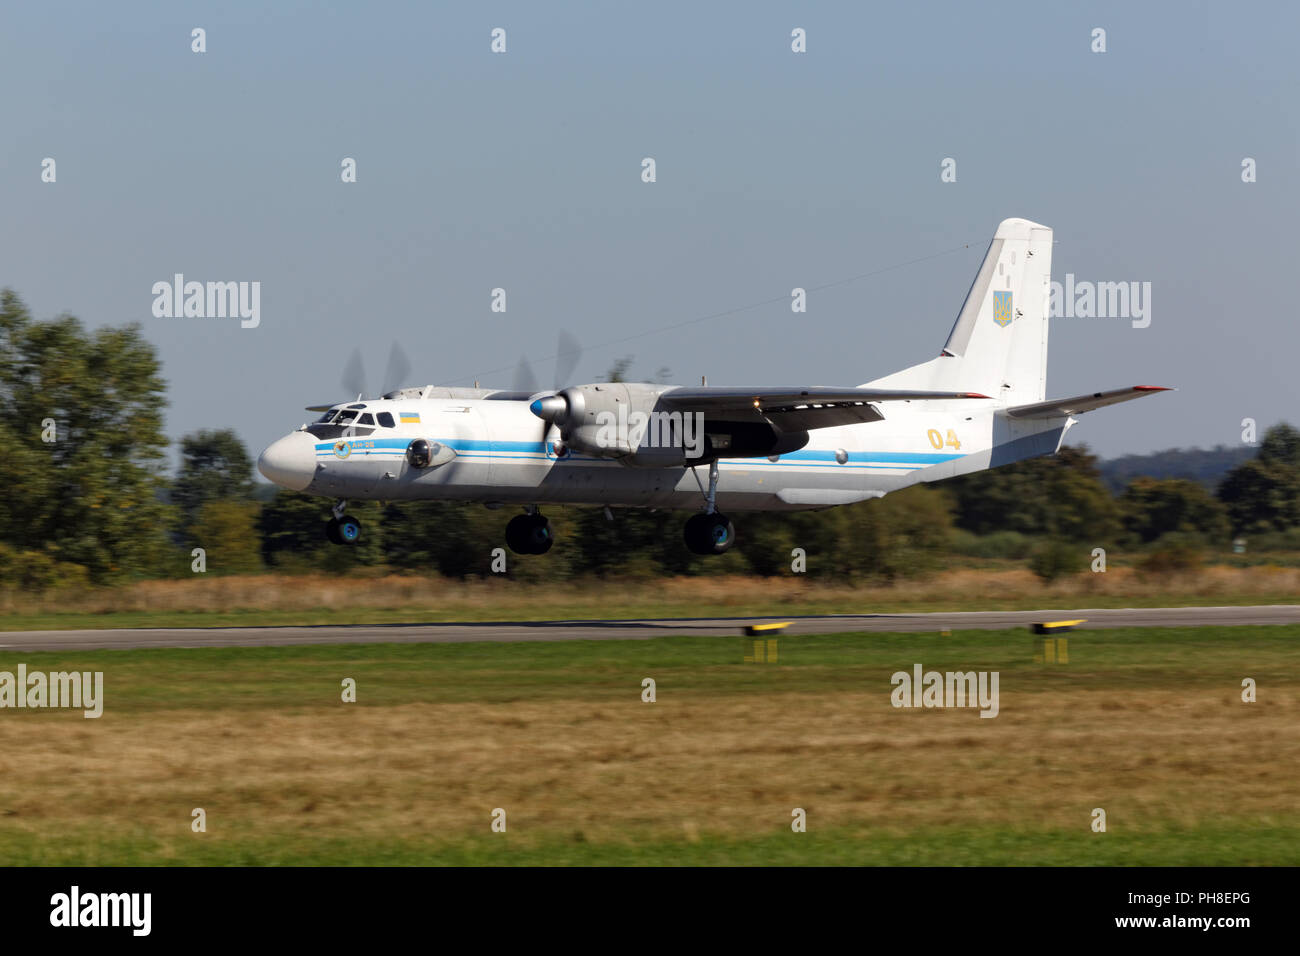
607, 420
623, 420
419, 453
422, 453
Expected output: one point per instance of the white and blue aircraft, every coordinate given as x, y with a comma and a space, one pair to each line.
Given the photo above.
979, 404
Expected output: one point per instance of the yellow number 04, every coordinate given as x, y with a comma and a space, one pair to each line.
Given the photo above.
937, 440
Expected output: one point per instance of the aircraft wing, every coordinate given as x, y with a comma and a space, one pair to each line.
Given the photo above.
1083, 403
795, 408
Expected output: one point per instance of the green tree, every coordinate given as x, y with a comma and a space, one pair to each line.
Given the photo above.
435, 536
1261, 497
1263, 494
90, 496
227, 531
1060, 496
1153, 507
636, 541
901, 535
292, 527
1281, 446
215, 466
1054, 558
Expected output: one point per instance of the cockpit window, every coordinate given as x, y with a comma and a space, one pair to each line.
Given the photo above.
385, 419
342, 423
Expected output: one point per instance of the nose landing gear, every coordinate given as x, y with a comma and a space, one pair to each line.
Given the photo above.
342, 528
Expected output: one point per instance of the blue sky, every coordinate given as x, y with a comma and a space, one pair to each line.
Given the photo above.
775, 170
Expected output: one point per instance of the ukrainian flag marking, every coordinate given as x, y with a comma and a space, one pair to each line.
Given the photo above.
409, 418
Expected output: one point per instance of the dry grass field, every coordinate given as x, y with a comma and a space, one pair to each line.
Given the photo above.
1146, 724
376, 597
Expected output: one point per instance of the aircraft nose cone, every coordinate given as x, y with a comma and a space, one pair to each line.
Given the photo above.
290, 462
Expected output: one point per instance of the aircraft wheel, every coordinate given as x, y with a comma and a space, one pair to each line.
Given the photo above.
332, 531
542, 537
529, 534
709, 534
346, 530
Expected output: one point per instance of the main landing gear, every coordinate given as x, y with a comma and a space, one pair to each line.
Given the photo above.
529, 533
711, 532
342, 528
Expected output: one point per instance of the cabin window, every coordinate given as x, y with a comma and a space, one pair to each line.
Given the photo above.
385, 419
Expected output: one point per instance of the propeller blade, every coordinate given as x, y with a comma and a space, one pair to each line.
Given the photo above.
354, 376
567, 355
397, 370
525, 380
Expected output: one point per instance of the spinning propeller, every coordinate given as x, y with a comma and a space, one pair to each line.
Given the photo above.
567, 355
354, 376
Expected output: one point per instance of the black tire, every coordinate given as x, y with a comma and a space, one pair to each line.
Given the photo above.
539, 535
529, 534
332, 531
709, 534
693, 535
516, 537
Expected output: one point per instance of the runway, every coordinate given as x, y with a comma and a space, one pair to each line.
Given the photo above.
454, 632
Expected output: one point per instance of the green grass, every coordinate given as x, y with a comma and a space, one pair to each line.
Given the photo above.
216, 679
1240, 844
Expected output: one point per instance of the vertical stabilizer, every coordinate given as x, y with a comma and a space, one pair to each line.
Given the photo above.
998, 345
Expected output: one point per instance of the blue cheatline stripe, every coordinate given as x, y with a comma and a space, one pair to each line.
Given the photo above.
505, 449
458, 444
909, 457
538, 459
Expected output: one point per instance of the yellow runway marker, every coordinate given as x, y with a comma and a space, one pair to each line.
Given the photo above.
1056, 627
753, 630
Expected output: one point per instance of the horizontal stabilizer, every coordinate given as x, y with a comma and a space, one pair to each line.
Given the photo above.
1061, 407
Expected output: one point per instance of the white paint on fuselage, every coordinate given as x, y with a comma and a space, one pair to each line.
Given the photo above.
502, 455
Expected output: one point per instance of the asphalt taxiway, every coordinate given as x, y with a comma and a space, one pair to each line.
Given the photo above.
593, 630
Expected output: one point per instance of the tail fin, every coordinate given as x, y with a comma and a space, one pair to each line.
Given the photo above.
998, 345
